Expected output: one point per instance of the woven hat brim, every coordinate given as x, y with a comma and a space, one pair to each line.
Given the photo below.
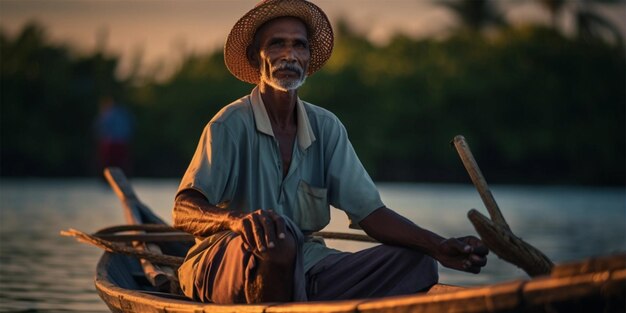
321, 37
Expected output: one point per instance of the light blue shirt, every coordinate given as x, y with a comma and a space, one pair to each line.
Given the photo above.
237, 166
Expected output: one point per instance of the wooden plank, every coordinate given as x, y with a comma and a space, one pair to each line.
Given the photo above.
346, 306
441, 288
604, 263
574, 288
162, 279
501, 297
119, 183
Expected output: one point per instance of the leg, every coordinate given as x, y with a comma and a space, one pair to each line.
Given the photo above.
376, 272
223, 271
272, 277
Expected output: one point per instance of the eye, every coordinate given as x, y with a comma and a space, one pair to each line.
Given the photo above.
301, 44
276, 42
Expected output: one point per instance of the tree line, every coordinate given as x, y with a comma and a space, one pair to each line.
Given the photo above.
536, 106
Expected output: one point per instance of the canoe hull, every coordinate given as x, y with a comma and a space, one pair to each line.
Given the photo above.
598, 291
594, 285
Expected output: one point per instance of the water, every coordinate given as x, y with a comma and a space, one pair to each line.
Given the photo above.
41, 271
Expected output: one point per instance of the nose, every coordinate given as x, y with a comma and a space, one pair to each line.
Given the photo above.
289, 54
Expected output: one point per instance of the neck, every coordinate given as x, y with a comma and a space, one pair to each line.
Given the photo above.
280, 105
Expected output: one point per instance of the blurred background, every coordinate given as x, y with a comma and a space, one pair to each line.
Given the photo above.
538, 88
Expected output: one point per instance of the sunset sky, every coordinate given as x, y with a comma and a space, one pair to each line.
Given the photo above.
164, 30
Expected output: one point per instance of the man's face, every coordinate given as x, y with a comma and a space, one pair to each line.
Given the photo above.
284, 53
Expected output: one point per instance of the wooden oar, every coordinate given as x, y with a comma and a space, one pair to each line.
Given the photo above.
496, 233
479, 181
163, 278
116, 247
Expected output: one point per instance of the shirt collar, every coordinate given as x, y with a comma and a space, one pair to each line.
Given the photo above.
304, 132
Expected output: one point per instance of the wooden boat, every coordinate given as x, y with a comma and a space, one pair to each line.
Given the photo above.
128, 285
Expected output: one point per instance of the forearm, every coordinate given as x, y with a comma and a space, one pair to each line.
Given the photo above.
391, 228
192, 213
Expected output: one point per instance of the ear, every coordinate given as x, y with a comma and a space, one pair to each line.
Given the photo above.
253, 56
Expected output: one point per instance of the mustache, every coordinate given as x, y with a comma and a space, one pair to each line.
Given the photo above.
289, 67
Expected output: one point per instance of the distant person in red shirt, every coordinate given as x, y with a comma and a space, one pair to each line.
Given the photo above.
114, 131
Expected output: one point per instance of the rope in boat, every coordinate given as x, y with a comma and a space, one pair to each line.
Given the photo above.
344, 236
117, 247
167, 228
145, 227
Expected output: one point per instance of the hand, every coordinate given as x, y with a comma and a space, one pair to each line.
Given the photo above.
467, 254
260, 229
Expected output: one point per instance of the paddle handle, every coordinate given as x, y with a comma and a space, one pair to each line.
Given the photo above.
479, 180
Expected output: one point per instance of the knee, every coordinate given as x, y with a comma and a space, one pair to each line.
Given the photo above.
431, 265
424, 267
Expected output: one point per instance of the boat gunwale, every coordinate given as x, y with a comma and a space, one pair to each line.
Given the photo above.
516, 294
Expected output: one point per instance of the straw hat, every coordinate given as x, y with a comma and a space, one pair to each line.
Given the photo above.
241, 36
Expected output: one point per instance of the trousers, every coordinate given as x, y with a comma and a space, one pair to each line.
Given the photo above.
218, 269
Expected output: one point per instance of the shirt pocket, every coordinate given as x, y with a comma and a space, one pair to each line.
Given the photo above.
313, 211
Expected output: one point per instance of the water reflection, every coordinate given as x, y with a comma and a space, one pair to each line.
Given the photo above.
43, 272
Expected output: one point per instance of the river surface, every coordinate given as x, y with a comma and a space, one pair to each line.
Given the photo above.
41, 271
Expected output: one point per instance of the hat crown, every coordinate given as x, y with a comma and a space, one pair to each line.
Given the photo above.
321, 37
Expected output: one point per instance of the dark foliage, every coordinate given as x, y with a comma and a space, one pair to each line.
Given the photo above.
536, 106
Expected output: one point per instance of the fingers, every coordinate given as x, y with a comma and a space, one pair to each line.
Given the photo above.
469, 266
456, 246
471, 240
247, 234
269, 230
478, 260
481, 250
466, 253
279, 223
260, 230
477, 246
474, 263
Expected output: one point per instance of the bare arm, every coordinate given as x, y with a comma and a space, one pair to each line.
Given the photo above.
194, 214
466, 253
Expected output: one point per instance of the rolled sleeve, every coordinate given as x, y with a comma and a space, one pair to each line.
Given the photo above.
213, 168
350, 187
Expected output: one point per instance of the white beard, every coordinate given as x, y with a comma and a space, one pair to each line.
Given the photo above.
284, 84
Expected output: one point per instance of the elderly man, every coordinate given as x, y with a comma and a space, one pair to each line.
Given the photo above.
265, 172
